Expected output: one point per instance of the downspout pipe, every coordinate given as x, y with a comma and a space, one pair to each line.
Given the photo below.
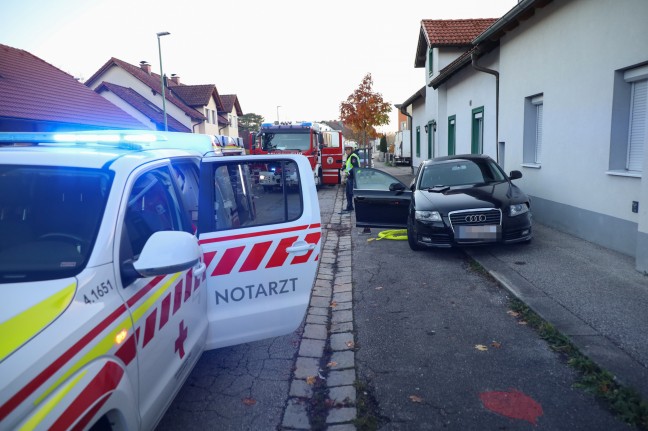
405, 113
495, 73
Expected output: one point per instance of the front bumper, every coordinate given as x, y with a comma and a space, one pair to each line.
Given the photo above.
442, 235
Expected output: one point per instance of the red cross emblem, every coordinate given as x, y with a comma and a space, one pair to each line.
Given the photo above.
179, 342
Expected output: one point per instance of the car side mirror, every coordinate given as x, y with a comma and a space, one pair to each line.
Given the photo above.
396, 187
514, 175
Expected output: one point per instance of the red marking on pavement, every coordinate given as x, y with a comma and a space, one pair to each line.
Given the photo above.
513, 404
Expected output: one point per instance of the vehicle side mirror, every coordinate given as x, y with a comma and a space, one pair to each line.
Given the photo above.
514, 175
396, 187
166, 252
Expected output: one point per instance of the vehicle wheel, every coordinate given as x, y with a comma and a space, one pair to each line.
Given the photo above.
411, 236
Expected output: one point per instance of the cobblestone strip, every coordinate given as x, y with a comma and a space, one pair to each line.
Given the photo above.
326, 358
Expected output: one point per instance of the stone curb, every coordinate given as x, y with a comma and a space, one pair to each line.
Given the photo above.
329, 322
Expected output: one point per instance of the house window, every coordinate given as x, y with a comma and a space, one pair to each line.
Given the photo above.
452, 135
532, 138
430, 135
234, 121
477, 142
213, 115
208, 115
430, 62
629, 128
418, 141
637, 132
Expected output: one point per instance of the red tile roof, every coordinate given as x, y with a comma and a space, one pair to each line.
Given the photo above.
151, 80
454, 32
194, 95
143, 105
230, 102
32, 89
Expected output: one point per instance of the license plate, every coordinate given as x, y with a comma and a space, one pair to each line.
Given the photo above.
487, 232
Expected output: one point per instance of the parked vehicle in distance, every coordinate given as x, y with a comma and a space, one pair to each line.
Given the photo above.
453, 201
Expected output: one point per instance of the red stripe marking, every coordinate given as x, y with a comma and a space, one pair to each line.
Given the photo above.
209, 256
177, 297
104, 382
256, 256
280, 255
85, 420
227, 262
133, 299
310, 238
149, 327
127, 350
255, 234
164, 310
188, 280
58, 363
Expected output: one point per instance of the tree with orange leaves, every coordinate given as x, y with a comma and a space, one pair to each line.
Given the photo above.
364, 109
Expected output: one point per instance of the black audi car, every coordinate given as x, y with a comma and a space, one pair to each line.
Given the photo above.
455, 200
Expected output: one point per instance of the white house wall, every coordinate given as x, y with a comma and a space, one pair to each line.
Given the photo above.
467, 90
419, 120
118, 76
569, 52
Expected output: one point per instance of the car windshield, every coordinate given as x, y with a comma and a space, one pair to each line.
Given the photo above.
49, 218
460, 172
286, 141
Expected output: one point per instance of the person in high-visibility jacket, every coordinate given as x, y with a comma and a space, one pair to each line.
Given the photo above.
352, 162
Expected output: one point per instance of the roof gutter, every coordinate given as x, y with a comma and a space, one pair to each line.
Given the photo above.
495, 73
402, 110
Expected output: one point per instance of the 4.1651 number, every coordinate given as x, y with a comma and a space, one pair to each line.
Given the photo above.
98, 292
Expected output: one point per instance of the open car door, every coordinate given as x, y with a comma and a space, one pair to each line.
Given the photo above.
261, 245
380, 199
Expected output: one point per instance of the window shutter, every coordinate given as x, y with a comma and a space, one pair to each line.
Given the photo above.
638, 123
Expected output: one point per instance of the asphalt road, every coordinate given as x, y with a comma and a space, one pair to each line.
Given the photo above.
437, 349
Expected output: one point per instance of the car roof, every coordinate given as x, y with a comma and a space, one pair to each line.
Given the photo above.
457, 157
98, 150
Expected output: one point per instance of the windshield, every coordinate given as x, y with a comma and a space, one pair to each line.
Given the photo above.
460, 172
49, 218
286, 141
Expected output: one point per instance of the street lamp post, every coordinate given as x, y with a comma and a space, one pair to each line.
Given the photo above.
160, 34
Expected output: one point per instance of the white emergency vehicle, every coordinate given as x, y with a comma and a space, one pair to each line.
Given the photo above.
123, 257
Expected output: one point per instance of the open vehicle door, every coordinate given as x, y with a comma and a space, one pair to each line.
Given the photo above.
261, 246
380, 199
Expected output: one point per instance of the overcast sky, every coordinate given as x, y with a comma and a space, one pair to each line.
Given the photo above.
303, 56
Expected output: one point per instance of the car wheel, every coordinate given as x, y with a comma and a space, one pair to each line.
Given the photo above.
411, 236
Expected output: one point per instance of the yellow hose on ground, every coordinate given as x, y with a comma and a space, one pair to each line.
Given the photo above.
394, 234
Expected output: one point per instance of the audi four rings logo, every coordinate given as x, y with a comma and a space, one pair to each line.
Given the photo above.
475, 218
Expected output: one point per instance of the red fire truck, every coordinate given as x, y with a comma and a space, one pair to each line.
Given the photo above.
323, 148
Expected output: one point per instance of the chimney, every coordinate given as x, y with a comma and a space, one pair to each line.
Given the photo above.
145, 66
175, 78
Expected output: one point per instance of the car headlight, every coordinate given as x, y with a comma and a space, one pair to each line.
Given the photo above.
517, 209
427, 215
262, 177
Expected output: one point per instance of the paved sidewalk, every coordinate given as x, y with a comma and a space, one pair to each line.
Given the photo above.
326, 358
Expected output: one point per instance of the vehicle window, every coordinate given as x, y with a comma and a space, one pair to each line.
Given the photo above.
286, 141
49, 220
153, 206
372, 179
460, 172
253, 194
186, 176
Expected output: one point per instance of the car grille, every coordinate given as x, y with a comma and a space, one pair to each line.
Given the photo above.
477, 217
